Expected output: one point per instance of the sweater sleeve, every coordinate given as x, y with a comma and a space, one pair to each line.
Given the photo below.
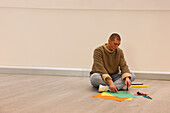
98, 66
124, 67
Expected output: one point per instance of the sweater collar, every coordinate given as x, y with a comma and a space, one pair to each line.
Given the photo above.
108, 49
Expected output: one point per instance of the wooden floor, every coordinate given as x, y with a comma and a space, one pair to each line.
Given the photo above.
61, 94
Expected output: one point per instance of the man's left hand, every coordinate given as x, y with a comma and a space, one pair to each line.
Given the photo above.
127, 81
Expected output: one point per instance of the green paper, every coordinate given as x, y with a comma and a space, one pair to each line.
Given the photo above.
122, 94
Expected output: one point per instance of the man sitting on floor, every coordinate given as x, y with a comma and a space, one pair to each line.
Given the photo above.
108, 59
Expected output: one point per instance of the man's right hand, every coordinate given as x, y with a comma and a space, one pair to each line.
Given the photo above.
113, 87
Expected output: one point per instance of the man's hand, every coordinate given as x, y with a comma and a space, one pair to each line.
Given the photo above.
127, 81
111, 85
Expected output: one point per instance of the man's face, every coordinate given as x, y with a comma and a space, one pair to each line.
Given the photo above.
113, 45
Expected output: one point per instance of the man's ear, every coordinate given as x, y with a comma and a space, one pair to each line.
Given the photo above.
109, 40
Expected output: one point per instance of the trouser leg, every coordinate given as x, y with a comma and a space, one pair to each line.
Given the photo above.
119, 83
96, 80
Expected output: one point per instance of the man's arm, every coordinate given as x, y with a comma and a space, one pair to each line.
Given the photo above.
111, 85
125, 70
124, 67
98, 65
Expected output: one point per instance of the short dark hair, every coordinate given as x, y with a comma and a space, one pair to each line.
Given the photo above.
115, 36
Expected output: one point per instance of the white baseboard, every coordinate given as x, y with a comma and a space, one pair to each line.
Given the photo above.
155, 75
159, 75
44, 71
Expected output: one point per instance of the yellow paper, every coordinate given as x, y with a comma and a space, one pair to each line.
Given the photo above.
139, 86
129, 99
106, 94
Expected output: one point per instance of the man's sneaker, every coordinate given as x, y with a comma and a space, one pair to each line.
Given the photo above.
103, 88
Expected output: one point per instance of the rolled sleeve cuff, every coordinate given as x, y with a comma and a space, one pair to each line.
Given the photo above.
104, 76
124, 75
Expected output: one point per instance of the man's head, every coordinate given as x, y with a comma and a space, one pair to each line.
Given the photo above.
113, 42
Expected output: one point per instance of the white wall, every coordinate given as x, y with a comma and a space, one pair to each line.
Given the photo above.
60, 33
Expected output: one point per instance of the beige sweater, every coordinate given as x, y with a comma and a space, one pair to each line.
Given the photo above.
108, 62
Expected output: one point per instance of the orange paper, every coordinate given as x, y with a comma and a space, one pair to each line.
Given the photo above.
109, 97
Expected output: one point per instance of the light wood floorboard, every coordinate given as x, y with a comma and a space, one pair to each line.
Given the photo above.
63, 94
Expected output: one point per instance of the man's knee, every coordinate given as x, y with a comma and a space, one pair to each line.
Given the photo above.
96, 80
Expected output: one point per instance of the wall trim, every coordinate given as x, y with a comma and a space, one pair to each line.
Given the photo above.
84, 72
81, 9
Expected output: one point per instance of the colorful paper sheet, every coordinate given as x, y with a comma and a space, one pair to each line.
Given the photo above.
107, 94
122, 94
110, 97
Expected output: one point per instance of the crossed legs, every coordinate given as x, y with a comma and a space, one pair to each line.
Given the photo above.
96, 80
